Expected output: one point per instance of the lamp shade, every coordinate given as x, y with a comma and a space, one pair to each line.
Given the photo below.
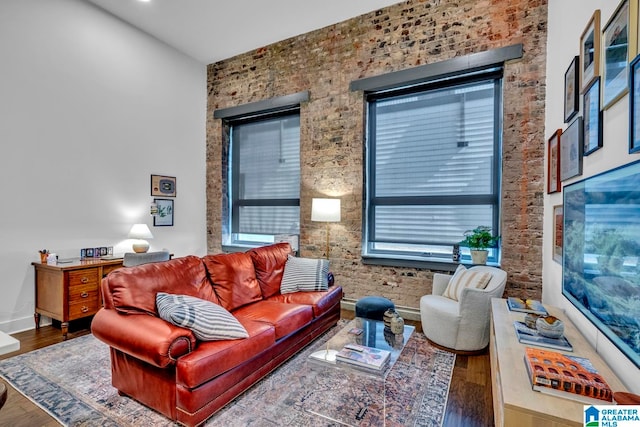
140, 231
325, 210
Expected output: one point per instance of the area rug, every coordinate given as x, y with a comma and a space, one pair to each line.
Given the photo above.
72, 382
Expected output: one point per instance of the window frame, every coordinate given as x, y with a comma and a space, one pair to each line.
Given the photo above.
493, 74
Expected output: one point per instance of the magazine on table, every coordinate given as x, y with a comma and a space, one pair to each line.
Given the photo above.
363, 356
526, 306
568, 376
527, 335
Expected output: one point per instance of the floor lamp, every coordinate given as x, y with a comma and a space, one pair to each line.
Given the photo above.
325, 210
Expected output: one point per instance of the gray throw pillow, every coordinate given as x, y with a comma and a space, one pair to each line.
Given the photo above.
208, 321
304, 274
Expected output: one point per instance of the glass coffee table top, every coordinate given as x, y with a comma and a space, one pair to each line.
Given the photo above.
367, 332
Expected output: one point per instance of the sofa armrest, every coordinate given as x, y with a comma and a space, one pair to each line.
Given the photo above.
440, 282
145, 337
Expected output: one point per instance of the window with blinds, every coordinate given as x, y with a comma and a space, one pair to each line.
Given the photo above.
433, 167
264, 182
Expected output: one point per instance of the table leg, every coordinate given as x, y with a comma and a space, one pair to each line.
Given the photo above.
65, 328
36, 318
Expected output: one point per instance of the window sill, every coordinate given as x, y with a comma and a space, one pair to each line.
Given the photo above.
426, 264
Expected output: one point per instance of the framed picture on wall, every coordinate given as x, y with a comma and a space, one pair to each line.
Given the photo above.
634, 103
164, 217
553, 163
571, 94
571, 150
557, 233
590, 51
619, 39
592, 118
164, 186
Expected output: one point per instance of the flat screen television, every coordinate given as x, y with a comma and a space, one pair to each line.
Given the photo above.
601, 254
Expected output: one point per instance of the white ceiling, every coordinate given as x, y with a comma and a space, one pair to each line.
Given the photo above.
212, 30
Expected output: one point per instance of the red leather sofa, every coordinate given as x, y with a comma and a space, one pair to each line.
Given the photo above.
166, 368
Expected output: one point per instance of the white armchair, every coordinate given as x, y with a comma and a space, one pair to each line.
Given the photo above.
461, 325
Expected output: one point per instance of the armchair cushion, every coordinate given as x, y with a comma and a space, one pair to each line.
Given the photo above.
208, 321
464, 278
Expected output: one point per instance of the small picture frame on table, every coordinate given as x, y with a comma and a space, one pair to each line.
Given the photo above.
164, 217
571, 94
634, 106
619, 39
592, 120
553, 163
590, 51
557, 233
571, 150
164, 186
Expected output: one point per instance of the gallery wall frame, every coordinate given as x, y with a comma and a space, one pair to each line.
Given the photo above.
571, 93
634, 106
164, 186
557, 233
553, 162
592, 118
571, 150
164, 217
619, 46
590, 51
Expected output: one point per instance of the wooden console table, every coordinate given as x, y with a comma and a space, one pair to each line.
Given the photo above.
70, 291
514, 401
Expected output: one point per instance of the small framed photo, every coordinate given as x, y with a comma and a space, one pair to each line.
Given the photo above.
590, 51
164, 217
592, 120
618, 40
557, 233
553, 163
164, 186
634, 106
571, 150
571, 94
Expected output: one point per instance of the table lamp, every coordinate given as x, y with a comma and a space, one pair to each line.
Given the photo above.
140, 232
325, 210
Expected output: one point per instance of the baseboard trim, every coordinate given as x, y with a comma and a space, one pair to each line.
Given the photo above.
405, 312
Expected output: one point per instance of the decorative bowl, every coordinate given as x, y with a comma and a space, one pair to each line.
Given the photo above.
550, 327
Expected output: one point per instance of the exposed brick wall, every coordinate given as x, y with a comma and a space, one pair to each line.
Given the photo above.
402, 36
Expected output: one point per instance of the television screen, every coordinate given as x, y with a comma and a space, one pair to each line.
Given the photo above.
601, 251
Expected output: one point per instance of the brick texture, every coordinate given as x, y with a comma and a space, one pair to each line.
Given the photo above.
398, 37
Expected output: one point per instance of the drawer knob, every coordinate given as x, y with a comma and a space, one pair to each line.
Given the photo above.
84, 294
84, 309
84, 280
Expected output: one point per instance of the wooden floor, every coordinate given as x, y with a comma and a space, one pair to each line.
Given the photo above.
469, 402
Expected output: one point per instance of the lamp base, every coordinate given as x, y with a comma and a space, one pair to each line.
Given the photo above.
140, 246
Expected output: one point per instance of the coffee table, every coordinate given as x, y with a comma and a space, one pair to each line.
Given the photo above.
374, 334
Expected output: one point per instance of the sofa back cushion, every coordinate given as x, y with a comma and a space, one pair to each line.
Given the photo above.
233, 278
134, 289
269, 262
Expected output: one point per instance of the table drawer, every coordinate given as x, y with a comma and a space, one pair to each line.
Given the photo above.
83, 308
83, 277
79, 293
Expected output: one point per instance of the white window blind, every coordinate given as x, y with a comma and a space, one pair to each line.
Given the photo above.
433, 167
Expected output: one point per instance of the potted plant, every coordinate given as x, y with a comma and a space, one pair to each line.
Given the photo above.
478, 241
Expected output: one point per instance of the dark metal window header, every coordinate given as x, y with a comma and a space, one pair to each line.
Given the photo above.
424, 73
262, 107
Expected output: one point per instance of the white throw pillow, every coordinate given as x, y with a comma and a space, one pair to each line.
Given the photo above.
304, 274
207, 320
464, 278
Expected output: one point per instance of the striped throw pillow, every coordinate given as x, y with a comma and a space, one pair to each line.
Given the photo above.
464, 278
208, 321
304, 274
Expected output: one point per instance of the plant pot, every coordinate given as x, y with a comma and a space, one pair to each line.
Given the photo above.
479, 257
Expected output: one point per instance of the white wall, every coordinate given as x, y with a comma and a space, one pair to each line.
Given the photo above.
89, 108
567, 21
